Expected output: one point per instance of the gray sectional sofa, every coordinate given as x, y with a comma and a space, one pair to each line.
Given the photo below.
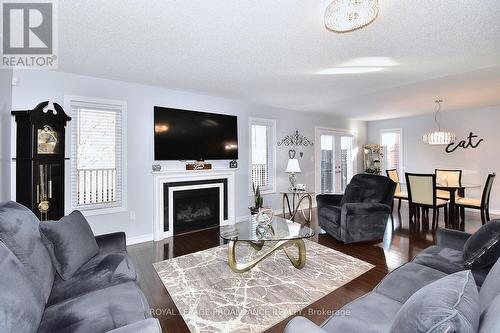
102, 296
379, 310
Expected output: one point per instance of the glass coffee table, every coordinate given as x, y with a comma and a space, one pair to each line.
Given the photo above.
280, 234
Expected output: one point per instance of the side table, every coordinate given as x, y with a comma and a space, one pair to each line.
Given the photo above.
296, 200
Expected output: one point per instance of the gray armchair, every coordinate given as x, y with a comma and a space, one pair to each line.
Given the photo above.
361, 213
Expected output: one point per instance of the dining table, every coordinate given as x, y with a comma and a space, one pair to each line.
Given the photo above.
453, 190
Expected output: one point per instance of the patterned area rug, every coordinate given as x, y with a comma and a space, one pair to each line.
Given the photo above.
212, 298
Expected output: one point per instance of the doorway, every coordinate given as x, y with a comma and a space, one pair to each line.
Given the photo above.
335, 160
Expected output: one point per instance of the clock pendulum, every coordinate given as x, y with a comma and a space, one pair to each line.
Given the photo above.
44, 190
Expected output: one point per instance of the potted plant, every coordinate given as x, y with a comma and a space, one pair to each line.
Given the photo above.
258, 200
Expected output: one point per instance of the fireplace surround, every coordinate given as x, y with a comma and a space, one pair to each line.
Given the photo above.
170, 184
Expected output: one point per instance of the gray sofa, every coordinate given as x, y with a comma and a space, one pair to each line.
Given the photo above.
361, 213
376, 311
102, 296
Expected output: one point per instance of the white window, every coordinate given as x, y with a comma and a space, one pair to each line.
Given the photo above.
391, 141
262, 154
97, 154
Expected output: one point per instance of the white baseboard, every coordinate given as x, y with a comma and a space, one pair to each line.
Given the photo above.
494, 212
139, 239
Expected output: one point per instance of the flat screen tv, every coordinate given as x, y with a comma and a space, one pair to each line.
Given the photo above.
193, 135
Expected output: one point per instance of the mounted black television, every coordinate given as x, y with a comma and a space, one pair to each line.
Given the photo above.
193, 135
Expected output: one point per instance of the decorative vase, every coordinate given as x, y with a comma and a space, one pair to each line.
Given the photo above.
265, 216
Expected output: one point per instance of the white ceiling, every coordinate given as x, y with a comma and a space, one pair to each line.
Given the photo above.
269, 52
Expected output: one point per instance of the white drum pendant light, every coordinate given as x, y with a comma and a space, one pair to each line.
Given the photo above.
349, 15
439, 137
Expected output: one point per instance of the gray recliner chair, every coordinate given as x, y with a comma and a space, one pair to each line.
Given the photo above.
361, 213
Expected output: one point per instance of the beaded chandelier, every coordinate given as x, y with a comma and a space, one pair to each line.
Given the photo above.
349, 15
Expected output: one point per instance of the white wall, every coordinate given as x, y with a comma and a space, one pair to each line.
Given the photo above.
5, 154
36, 86
476, 163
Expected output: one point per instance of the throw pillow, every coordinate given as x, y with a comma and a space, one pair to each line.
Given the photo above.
482, 249
450, 304
70, 242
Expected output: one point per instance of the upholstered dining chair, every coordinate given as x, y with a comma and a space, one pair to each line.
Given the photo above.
422, 194
449, 178
400, 195
482, 204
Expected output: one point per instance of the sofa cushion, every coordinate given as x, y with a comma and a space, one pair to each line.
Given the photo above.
19, 232
98, 311
406, 280
482, 249
372, 313
150, 325
102, 271
490, 320
450, 304
491, 287
70, 242
441, 258
21, 301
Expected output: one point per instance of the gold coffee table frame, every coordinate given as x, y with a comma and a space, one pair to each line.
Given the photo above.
283, 244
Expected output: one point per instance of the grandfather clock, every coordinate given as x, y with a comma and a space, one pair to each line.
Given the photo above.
40, 159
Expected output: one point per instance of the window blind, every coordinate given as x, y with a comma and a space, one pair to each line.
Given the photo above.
262, 164
392, 149
96, 155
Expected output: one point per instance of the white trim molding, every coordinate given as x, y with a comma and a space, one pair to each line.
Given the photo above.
399, 131
69, 204
179, 176
139, 239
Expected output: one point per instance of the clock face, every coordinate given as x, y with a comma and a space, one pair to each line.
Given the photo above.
48, 140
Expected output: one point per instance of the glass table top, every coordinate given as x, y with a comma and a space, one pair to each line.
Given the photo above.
278, 229
297, 192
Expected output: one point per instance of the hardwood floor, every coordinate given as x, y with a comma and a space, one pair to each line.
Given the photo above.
401, 243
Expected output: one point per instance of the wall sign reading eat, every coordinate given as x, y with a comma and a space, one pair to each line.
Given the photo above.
470, 142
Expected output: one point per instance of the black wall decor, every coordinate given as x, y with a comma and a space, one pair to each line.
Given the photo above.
470, 142
40, 159
295, 139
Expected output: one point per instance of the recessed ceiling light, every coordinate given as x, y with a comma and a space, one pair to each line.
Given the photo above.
350, 70
370, 62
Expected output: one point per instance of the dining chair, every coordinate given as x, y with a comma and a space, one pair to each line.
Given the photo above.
482, 204
422, 194
400, 195
448, 177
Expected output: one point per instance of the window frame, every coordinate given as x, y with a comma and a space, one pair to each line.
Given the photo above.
270, 123
401, 148
69, 204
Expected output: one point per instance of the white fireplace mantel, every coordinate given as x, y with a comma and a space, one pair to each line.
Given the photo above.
169, 176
